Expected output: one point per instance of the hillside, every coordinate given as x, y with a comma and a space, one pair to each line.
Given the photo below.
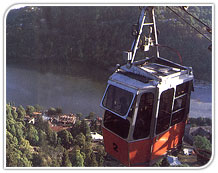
99, 35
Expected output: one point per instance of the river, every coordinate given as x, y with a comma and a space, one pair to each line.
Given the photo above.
78, 90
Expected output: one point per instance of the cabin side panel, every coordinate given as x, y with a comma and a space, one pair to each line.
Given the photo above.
139, 152
161, 145
116, 146
176, 134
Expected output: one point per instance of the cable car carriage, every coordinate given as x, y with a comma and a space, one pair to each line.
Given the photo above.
146, 104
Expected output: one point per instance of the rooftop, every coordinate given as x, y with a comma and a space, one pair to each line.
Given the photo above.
149, 72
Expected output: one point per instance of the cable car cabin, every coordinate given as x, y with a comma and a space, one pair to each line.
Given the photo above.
146, 108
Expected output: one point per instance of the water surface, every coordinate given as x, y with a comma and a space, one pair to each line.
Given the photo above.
78, 90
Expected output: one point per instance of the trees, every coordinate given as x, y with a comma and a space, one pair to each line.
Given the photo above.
37, 145
66, 138
84, 128
17, 155
100, 155
38, 108
66, 160
42, 138
21, 112
109, 27
9, 115
202, 142
91, 115
32, 135
54, 111
51, 111
79, 115
77, 159
30, 110
80, 140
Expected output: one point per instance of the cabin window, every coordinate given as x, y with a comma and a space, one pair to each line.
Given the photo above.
182, 89
180, 102
116, 124
143, 120
165, 110
118, 100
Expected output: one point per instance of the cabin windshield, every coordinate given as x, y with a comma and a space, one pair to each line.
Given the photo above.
118, 100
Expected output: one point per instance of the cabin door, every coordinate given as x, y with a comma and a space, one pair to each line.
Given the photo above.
162, 141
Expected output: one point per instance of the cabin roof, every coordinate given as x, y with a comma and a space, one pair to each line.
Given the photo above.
148, 72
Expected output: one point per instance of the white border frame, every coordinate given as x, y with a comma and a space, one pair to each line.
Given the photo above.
9, 6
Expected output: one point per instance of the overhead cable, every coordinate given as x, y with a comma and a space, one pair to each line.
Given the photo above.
197, 20
189, 24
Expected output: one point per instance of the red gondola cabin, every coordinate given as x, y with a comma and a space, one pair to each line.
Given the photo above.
146, 108
146, 103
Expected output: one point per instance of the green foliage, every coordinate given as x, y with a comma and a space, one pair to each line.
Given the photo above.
66, 138
11, 141
77, 159
91, 116
8, 112
32, 135
30, 110
25, 148
14, 113
42, 138
100, 155
21, 112
54, 111
38, 108
51, 111
65, 160
80, 140
38, 146
202, 142
84, 128
79, 116
17, 156
76, 129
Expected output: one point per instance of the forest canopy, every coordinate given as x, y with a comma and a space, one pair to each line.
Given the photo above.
99, 35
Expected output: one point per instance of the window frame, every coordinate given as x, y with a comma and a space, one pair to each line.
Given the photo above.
113, 129
152, 113
158, 109
131, 90
186, 96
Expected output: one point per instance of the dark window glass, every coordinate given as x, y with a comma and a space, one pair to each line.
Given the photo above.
143, 120
182, 89
177, 116
117, 100
116, 124
165, 110
179, 103
181, 100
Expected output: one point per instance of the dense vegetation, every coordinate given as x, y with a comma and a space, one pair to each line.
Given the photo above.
36, 145
100, 34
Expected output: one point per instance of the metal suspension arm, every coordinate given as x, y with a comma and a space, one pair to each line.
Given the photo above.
141, 24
